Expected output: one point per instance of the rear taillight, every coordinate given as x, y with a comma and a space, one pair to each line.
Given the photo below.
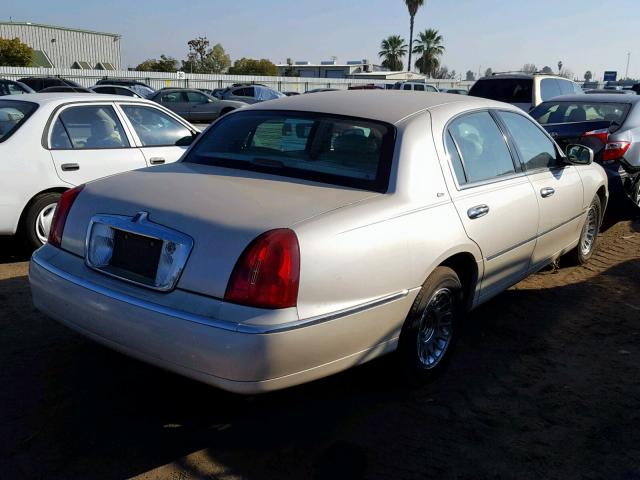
602, 134
615, 150
60, 217
267, 273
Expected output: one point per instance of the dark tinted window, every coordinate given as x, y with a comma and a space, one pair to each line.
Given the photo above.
485, 154
196, 97
419, 87
535, 148
549, 88
105, 90
407, 86
12, 115
155, 128
565, 112
510, 90
338, 150
243, 92
174, 97
92, 127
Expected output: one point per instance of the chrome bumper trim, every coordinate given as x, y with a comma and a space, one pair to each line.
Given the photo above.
213, 322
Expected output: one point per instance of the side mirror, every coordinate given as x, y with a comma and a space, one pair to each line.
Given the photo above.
579, 154
188, 140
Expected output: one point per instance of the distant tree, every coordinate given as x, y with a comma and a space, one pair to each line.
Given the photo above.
588, 76
546, 69
165, 64
290, 71
202, 59
217, 60
441, 73
392, 50
529, 68
470, 76
14, 53
413, 6
249, 66
488, 72
566, 73
429, 46
560, 66
452, 74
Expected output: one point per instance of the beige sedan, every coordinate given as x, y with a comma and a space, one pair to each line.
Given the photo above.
307, 235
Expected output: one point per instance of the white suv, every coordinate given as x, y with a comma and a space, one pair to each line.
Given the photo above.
415, 86
50, 142
523, 90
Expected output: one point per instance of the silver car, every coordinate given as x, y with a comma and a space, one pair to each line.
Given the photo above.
194, 105
304, 236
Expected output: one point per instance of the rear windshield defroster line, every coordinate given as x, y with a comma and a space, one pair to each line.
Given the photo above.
333, 149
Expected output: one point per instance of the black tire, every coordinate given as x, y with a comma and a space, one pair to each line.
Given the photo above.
32, 228
425, 319
635, 192
588, 241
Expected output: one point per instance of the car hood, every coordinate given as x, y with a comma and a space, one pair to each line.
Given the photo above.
222, 209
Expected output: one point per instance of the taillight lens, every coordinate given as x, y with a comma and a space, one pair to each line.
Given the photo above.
267, 273
62, 212
615, 150
602, 134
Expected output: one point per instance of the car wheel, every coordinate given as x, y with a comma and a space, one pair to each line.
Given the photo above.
430, 329
589, 234
39, 217
635, 193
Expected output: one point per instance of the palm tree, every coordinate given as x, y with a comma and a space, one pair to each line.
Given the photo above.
393, 50
429, 46
413, 6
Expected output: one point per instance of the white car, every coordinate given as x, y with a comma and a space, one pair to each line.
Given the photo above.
300, 237
52, 142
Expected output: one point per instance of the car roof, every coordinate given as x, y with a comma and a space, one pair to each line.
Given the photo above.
389, 106
596, 97
499, 76
57, 98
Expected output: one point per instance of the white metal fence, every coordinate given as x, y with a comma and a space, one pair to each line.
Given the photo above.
158, 80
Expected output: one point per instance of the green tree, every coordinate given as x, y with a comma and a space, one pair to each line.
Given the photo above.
165, 64
429, 46
14, 53
588, 76
202, 59
547, 69
488, 72
250, 66
413, 6
393, 49
529, 68
470, 76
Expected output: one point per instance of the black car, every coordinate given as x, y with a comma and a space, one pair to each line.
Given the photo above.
9, 87
65, 89
141, 88
40, 83
608, 124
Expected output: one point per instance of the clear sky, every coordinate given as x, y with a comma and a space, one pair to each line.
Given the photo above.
501, 34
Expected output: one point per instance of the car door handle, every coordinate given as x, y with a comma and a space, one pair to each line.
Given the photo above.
478, 211
69, 167
547, 192
156, 160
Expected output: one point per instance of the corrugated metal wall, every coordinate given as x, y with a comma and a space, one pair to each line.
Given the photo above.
158, 80
69, 45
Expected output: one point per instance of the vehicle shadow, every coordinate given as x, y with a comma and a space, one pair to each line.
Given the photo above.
545, 383
14, 249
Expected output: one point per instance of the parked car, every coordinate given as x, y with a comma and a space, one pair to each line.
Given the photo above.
599, 91
415, 86
523, 90
40, 83
321, 90
51, 142
455, 91
194, 105
290, 93
609, 125
296, 239
137, 86
10, 87
115, 90
369, 86
250, 94
65, 89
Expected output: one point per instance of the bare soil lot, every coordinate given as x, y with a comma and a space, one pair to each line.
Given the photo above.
545, 384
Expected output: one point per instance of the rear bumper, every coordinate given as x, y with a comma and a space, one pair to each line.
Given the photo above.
210, 350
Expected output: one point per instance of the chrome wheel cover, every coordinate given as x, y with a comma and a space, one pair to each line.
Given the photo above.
589, 232
436, 328
43, 222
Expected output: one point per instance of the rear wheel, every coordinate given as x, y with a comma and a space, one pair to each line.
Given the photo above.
589, 235
38, 219
430, 329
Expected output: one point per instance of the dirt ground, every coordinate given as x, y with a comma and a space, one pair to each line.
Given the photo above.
545, 384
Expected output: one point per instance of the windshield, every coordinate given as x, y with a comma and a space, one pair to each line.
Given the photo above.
13, 114
144, 92
510, 90
330, 149
566, 112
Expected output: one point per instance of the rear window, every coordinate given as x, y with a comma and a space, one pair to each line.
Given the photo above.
510, 90
13, 114
566, 112
339, 150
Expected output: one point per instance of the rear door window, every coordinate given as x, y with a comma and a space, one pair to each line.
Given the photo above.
13, 114
510, 90
482, 146
174, 97
90, 127
155, 128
